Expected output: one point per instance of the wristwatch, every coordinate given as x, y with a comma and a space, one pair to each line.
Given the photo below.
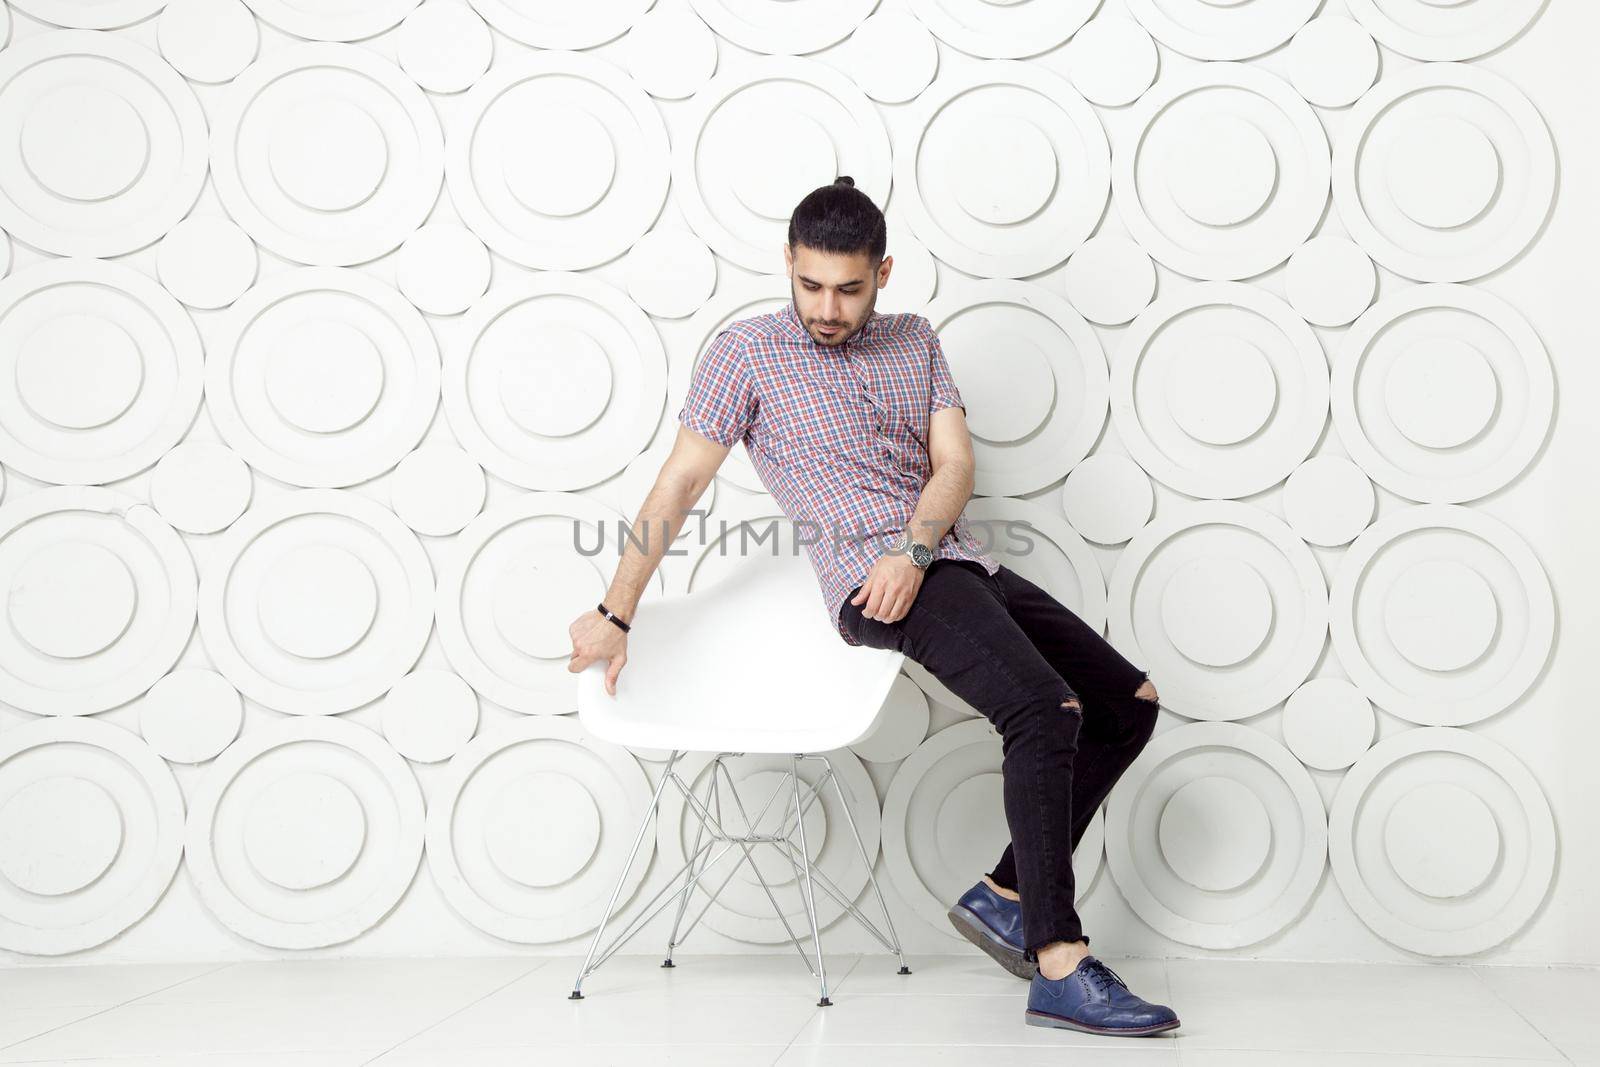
921, 554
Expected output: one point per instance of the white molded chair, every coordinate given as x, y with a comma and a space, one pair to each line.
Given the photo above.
751, 665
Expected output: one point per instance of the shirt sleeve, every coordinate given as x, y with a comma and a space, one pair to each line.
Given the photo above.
944, 393
721, 403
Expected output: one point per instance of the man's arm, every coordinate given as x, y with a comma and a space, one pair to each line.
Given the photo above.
950, 486
949, 453
718, 411
694, 461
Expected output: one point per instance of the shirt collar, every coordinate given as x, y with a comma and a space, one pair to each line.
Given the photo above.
789, 319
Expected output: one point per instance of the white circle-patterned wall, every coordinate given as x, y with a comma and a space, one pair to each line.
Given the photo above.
326, 326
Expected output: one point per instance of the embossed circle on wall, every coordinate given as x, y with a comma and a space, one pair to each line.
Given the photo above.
333, 21
1219, 390
66, 323
511, 584
1008, 30
322, 377
1444, 172
1032, 375
531, 826
560, 162
1223, 603
561, 25
1003, 118
1231, 29
305, 832
742, 909
134, 162
1228, 174
1445, 29
758, 139
558, 383
1442, 614
99, 598
326, 153
793, 28
1443, 393
91, 833
1442, 842
1186, 876
316, 602
944, 818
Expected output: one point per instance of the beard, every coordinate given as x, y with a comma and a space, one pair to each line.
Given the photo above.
847, 330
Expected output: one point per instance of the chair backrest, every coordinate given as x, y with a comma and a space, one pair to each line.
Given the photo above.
751, 664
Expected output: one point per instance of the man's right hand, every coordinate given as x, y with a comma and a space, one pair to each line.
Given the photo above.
595, 638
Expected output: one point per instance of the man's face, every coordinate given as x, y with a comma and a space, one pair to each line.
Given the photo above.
834, 294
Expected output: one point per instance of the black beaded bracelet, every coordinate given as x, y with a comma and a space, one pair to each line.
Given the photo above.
608, 613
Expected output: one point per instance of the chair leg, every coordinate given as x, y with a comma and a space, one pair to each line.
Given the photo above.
805, 860
644, 824
693, 876
844, 803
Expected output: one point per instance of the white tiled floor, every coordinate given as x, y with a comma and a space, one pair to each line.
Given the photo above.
732, 1011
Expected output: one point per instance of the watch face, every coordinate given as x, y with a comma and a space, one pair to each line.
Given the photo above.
921, 554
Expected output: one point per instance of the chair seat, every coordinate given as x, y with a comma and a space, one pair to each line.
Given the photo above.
751, 664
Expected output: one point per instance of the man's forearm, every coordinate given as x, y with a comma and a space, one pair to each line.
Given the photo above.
660, 518
942, 500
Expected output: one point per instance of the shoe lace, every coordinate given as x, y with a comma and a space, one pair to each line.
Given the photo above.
1094, 965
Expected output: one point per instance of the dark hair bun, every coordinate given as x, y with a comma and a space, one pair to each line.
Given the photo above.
845, 179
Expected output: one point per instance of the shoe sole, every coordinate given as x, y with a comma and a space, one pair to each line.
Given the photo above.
978, 932
1044, 1018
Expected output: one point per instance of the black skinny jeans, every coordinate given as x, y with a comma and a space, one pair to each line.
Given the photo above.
1007, 647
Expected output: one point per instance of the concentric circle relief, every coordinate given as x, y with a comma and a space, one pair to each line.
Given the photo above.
1219, 390
561, 160
317, 601
1224, 604
792, 29
1187, 881
135, 161
1003, 118
92, 822
1032, 375
1442, 842
304, 833
758, 139
327, 154
1443, 393
99, 596
1442, 614
587, 798
1230, 29
1009, 30
68, 322
1444, 172
322, 377
1445, 29
1227, 174
558, 382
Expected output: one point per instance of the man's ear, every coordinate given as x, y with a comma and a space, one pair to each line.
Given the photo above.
883, 271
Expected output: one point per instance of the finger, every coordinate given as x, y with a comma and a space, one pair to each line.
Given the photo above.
896, 612
611, 675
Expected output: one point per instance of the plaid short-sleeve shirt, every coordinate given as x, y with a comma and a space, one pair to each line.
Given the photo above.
837, 434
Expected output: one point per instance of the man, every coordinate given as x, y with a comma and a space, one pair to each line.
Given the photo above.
854, 424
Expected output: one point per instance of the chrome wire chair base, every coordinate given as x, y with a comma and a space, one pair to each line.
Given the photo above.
709, 809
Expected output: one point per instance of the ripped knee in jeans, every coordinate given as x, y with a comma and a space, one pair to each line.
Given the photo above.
1147, 691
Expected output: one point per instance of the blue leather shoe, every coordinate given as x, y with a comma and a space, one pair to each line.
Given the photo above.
994, 924
1094, 999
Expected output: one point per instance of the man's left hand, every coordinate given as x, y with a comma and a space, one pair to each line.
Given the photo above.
890, 588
